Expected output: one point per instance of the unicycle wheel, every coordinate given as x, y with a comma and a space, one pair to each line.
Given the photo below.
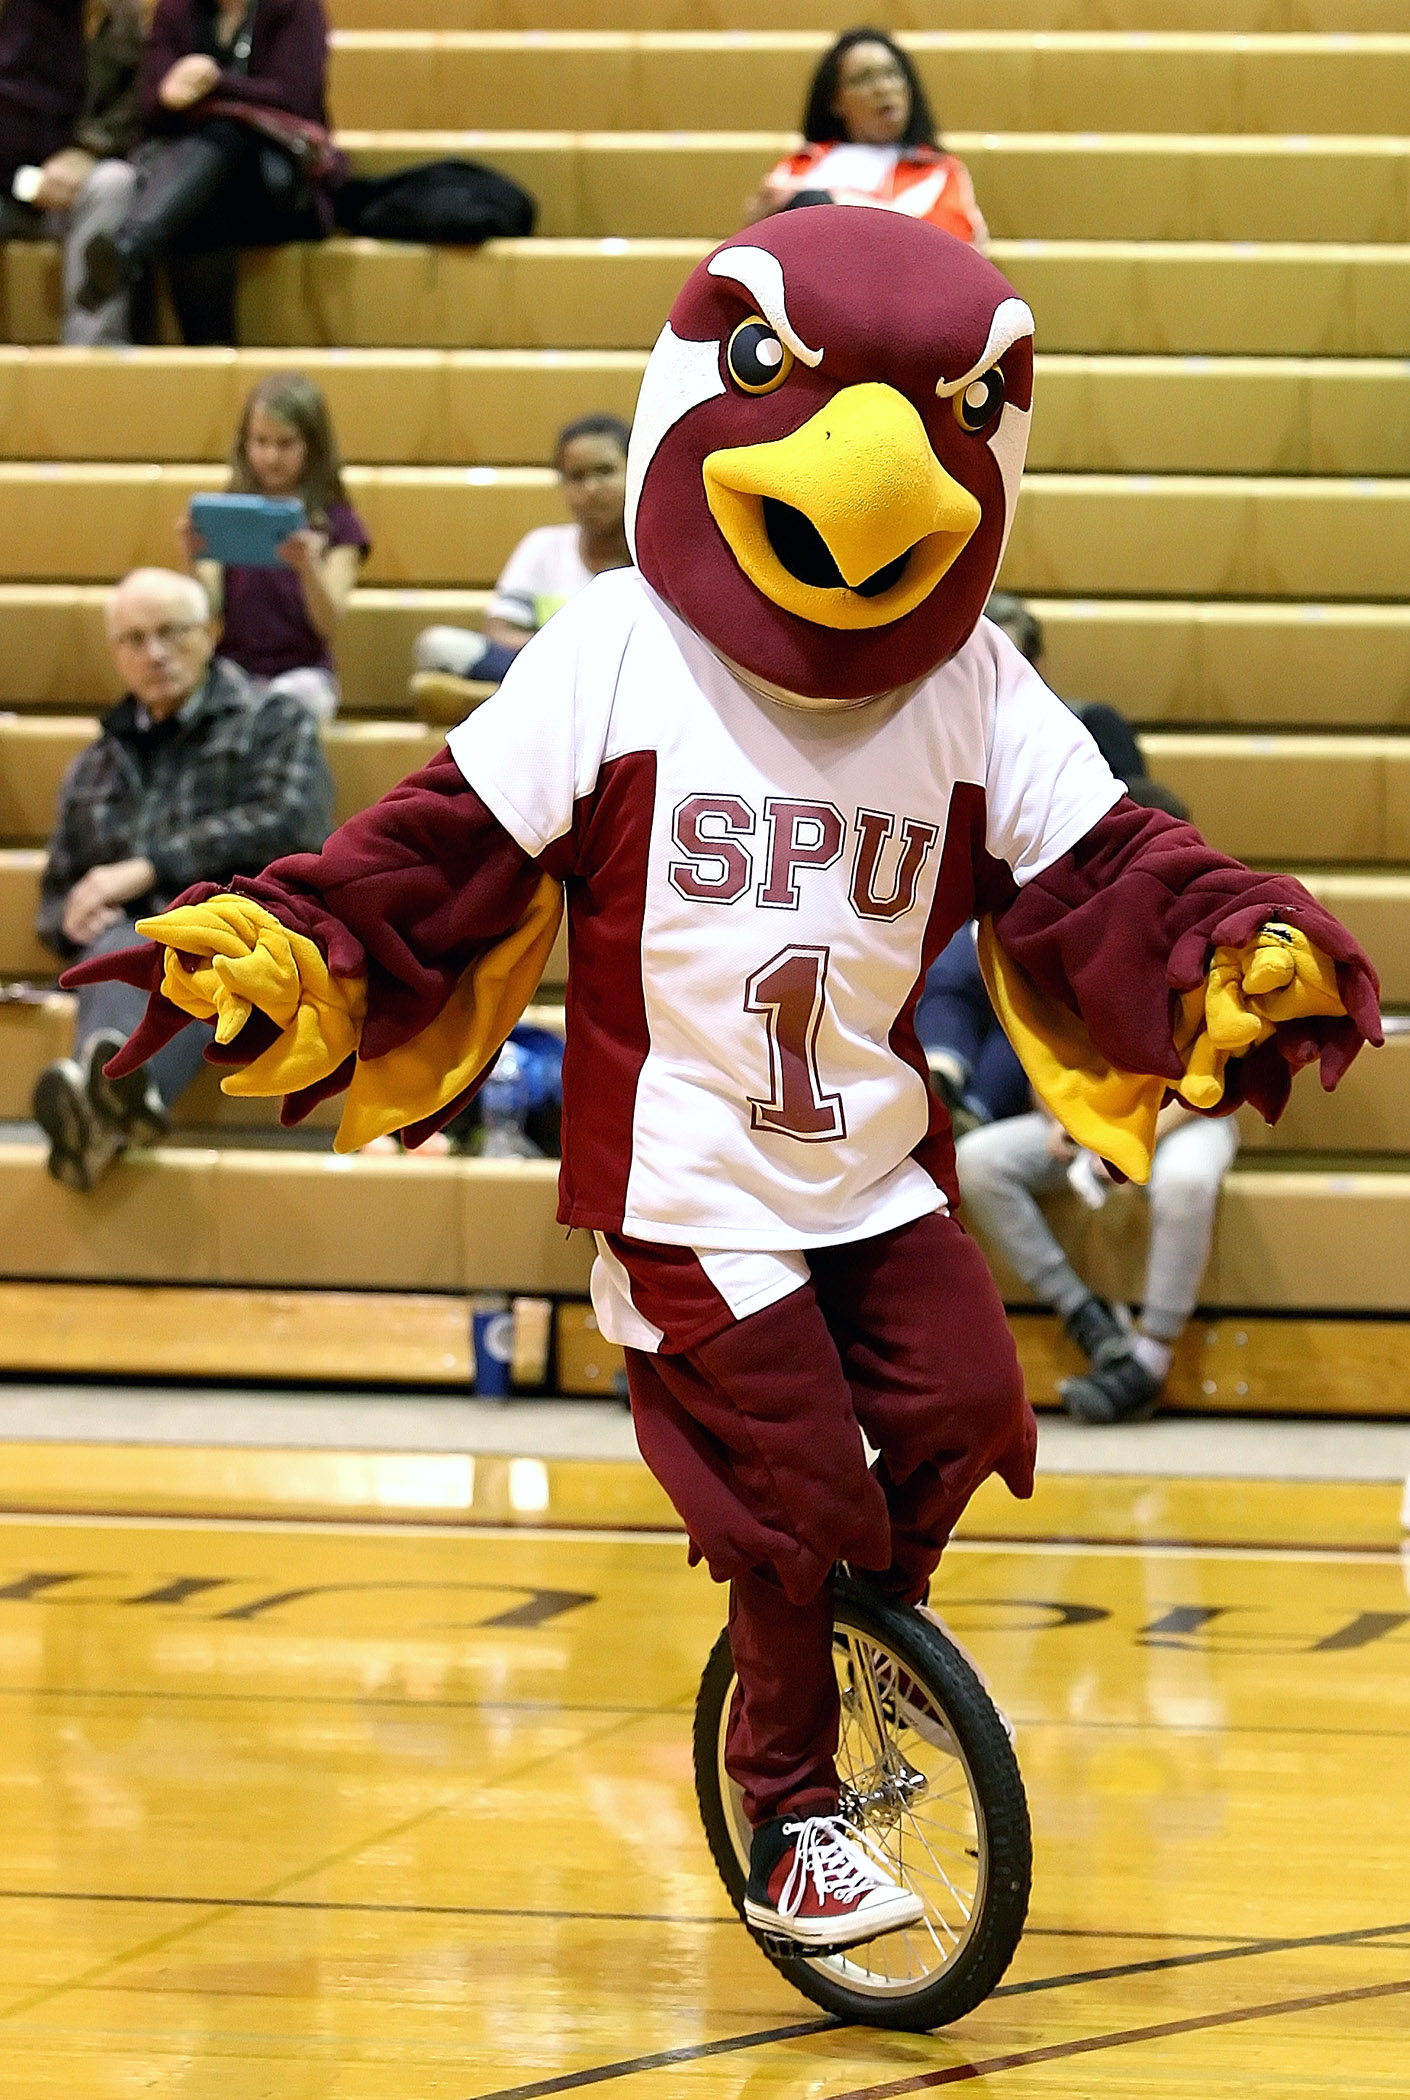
929, 1775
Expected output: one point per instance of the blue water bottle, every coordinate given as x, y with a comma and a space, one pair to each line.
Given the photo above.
492, 1342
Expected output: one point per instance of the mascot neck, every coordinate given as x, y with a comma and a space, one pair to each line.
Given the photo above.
805, 703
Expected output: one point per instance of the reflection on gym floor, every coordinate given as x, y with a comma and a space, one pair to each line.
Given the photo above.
397, 1810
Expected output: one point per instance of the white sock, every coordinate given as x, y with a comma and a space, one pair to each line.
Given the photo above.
1153, 1356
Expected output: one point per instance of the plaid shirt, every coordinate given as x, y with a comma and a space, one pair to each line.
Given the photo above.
234, 783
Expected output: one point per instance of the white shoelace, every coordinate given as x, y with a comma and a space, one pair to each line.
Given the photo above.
836, 1859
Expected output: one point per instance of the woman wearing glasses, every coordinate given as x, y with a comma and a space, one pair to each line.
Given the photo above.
870, 139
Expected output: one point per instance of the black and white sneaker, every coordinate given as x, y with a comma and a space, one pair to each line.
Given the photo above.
1116, 1389
1096, 1329
82, 1145
131, 1105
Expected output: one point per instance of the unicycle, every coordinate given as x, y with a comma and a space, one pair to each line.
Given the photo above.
929, 1776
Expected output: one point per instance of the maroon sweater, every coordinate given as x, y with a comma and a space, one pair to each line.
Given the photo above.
288, 61
41, 80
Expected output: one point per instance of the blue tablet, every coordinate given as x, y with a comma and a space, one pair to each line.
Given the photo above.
246, 532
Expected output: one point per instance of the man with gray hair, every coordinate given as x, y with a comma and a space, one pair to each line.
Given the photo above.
193, 778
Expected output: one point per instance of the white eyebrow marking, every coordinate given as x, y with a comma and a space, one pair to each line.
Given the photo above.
1012, 321
761, 275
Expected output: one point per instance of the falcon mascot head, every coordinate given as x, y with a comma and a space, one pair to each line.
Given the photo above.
828, 446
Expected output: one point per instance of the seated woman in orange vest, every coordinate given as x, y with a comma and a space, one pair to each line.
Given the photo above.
870, 139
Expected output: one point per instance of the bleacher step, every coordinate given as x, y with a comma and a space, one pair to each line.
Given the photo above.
1129, 17
470, 408
1260, 797
1240, 664
1296, 1238
1003, 80
1236, 1364
1101, 186
1191, 535
1330, 298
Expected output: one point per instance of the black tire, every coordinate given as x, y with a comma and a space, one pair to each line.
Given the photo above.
968, 1749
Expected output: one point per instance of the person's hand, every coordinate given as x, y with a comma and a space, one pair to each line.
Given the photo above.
64, 175
93, 904
771, 196
188, 80
303, 551
191, 542
1057, 1143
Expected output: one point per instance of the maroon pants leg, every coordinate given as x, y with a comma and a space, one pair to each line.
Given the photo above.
754, 1437
782, 1735
935, 1380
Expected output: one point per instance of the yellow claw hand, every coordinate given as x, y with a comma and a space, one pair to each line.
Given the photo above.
229, 956
1286, 978
1277, 976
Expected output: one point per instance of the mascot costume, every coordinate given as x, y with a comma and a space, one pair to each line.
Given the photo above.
771, 770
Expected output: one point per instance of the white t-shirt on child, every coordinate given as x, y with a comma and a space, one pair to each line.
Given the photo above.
543, 572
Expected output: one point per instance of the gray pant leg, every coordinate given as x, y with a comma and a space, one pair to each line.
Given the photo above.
1184, 1195
1002, 1167
101, 207
121, 1006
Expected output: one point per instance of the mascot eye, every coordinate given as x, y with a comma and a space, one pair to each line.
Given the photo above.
981, 400
757, 360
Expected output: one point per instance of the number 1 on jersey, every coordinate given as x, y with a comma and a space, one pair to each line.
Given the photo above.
791, 993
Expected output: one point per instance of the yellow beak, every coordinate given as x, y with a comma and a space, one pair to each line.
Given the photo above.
849, 522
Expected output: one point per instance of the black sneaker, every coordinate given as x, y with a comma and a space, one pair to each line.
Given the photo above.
81, 1145
131, 1105
964, 1111
106, 272
1119, 1389
1095, 1329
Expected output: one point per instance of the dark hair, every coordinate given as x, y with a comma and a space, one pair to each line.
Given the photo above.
1154, 794
1019, 624
599, 426
299, 403
821, 124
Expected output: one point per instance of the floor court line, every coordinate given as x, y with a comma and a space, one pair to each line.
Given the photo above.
1239, 1951
286, 1881
681, 1707
1230, 1948
1224, 1943
1389, 1554
398, 1910
1167, 2030
358, 1699
630, 2067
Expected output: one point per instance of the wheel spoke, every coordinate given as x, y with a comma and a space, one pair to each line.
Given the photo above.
912, 1796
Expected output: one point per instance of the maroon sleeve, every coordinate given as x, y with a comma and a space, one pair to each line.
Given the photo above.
288, 62
345, 528
171, 36
409, 891
1130, 917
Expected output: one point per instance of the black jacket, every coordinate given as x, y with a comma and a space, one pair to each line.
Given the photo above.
230, 784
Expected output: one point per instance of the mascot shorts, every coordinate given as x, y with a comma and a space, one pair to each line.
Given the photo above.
756, 1434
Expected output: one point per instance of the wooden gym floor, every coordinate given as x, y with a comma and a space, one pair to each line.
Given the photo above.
402, 1809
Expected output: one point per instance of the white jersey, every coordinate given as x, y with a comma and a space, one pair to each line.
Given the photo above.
755, 892
545, 570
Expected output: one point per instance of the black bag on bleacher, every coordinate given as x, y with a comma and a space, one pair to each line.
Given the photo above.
449, 203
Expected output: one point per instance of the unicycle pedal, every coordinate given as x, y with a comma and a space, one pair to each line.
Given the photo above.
779, 1947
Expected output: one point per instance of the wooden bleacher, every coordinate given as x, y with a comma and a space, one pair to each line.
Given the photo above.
1207, 203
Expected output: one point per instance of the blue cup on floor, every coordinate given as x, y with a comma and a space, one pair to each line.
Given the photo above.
492, 1341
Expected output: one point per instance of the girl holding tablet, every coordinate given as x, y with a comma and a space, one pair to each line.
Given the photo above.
279, 620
